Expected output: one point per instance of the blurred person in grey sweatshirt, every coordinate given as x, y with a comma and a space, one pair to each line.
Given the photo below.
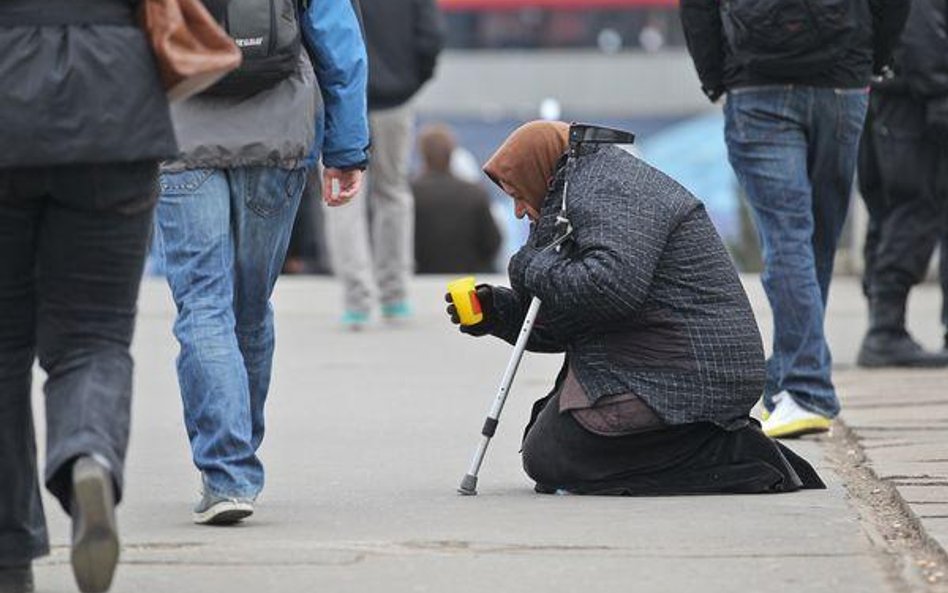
374, 261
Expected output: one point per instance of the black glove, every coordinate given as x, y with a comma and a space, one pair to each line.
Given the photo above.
936, 116
485, 295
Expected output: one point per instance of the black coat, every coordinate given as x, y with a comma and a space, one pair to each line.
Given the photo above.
921, 58
902, 149
403, 38
84, 90
644, 299
455, 231
880, 22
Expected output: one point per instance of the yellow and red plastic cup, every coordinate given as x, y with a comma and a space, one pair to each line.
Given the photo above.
463, 293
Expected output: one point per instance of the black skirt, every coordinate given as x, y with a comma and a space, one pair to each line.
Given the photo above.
700, 458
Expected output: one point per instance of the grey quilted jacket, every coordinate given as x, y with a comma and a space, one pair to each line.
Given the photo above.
643, 299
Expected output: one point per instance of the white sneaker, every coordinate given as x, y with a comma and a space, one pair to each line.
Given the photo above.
788, 419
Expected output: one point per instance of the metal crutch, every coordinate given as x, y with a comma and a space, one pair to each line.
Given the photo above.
578, 135
468, 485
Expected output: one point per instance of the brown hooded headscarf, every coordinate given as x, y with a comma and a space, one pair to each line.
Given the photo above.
526, 161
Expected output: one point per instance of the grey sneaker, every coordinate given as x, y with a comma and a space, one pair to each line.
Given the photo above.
95, 543
214, 509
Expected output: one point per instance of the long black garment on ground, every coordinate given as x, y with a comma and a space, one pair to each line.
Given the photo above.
699, 458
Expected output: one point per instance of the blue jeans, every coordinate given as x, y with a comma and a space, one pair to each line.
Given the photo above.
223, 235
794, 151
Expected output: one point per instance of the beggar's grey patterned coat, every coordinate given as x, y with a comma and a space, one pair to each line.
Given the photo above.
644, 298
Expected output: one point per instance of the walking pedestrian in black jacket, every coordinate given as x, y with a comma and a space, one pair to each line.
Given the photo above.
663, 357
904, 183
83, 124
796, 74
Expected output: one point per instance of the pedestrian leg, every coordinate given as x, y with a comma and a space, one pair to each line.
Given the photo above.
264, 207
393, 214
23, 534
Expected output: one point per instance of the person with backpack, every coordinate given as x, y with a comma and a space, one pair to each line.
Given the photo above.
226, 212
375, 260
84, 122
795, 74
902, 179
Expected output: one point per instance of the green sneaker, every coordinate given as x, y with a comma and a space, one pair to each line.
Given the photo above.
355, 320
398, 311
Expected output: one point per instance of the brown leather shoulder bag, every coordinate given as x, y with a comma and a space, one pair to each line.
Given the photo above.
192, 50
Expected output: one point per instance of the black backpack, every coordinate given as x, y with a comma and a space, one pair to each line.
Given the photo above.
790, 39
268, 34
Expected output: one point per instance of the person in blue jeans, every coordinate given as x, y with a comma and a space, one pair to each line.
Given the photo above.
796, 81
224, 221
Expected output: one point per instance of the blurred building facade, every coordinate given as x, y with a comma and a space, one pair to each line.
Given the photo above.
613, 62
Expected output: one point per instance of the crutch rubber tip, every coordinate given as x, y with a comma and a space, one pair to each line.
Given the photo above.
468, 485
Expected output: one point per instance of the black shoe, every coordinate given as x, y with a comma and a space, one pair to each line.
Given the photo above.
95, 544
544, 489
885, 349
16, 579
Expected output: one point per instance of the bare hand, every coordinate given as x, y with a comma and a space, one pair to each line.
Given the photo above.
347, 184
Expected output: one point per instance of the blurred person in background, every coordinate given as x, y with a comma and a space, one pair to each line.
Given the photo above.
306, 253
370, 242
83, 123
455, 231
902, 178
796, 79
227, 207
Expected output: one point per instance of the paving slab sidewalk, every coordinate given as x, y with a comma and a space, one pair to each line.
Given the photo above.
898, 417
368, 436
901, 420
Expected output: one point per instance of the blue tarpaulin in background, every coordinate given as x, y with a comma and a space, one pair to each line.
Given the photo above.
693, 153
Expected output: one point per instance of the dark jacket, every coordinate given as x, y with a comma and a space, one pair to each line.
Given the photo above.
880, 22
644, 299
404, 38
455, 231
921, 58
320, 109
86, 92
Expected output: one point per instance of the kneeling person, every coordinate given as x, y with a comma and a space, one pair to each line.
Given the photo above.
664, 359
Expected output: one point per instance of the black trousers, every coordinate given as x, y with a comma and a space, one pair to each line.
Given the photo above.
902, 181
308, 242
72, 247
700, 458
